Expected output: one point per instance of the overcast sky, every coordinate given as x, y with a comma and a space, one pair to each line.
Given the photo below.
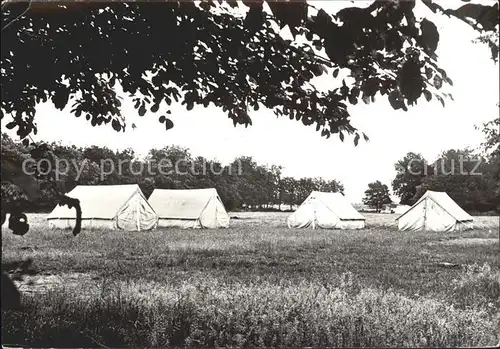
427, 128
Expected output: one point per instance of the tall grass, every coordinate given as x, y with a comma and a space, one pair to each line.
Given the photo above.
478, 286
210, 314
256, 285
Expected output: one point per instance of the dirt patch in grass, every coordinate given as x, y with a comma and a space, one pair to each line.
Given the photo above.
43, 283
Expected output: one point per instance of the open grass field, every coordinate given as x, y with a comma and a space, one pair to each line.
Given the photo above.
257, 283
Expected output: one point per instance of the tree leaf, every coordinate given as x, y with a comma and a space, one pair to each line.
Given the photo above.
438, 82
356, 140
307, 120
168, 124
142, 110
206, 5
341, 135
344, 90
336, 72
428, 95
429, 36
395, 100
60, 98
439, 98
155, 107
428, 73
116, 125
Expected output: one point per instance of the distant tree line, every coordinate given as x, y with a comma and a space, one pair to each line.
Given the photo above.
471, 179
242, 184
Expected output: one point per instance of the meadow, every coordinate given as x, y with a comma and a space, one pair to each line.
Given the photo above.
257, 284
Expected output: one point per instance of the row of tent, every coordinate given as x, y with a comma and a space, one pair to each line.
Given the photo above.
125, 207
434, 211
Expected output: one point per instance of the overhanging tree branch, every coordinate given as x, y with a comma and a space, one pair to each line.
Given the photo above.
4, 4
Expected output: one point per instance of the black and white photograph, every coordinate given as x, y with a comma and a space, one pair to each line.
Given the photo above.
250, 174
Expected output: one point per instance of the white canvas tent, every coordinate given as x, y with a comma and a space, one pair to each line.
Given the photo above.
189, 208
111, 207
400, 209
435, 211
327, 211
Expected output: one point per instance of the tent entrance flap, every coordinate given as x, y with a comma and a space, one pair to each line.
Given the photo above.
138, 215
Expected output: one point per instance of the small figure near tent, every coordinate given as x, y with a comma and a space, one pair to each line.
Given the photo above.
326, 211
435, 211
